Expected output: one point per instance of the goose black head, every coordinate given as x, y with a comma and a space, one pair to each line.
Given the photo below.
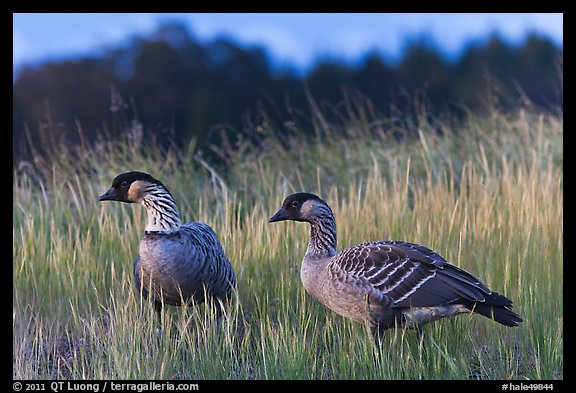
301, 206
130, 187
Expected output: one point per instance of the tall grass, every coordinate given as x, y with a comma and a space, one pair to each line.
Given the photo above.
486, 193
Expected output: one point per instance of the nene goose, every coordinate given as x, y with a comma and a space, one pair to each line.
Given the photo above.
177, 262
386, 284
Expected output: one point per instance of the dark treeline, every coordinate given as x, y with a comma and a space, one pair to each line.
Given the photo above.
176, 89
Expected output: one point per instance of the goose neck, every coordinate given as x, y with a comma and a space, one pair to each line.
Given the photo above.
163, 215
322, 242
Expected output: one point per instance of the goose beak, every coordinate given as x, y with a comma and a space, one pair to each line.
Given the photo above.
279, 216
110, 195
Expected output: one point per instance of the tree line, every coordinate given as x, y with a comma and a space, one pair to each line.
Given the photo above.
172, 87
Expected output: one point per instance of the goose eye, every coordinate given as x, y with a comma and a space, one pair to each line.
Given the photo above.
124, 184
295, 203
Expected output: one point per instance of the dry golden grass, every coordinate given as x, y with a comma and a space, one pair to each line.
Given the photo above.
487, 195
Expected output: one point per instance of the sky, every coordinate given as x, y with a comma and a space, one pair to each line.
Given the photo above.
291, 40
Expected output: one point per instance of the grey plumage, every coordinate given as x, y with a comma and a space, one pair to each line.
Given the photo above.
176, 263
386, 283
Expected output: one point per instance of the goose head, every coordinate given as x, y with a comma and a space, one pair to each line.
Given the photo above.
301, 206
131, 187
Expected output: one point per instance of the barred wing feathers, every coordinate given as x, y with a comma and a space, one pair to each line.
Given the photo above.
409, 274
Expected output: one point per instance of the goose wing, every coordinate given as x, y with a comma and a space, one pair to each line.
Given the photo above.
409, 274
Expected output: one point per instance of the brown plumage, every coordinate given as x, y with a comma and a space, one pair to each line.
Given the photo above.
386, 283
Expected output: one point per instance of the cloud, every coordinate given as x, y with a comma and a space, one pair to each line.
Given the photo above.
40, 37
280, 43
20, 48
278, 39
296, 39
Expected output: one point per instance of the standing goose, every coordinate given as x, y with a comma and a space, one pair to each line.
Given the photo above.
386, 283
176, 261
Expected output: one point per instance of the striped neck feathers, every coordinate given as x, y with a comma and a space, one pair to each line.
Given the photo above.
322, 241
163, 215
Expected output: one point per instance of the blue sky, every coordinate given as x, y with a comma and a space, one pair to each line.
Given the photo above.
296, 40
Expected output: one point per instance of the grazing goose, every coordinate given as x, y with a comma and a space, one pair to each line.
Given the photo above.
386, 283
177, 261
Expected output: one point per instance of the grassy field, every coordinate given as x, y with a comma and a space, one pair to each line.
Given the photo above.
487, 195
